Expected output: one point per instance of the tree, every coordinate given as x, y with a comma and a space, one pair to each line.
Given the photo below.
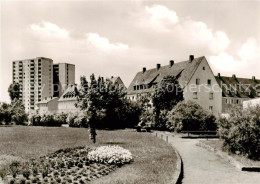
190, 116
167, 94
5, 113
241, 132
89, 102
14, 91
106, 106
18, 114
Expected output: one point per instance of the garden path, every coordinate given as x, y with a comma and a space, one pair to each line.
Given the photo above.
202, 166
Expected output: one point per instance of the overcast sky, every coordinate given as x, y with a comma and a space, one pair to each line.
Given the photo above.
118, 38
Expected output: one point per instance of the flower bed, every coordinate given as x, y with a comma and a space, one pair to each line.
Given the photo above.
110, 155
71, 165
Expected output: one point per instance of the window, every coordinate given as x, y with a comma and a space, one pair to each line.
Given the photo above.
211, 96
195, 95
226, 101
209, 82
197, 81
137, 87
237, 101
203, 68
134, 88
211, 108
232, 101
141, 86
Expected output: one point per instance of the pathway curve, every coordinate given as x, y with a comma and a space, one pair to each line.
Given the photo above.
202, 166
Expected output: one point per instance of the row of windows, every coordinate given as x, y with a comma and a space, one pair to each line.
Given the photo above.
195, 95
140, 87
233, 101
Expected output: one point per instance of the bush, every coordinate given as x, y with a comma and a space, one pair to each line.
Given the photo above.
241, 132
190, 116
46, 120
77, 119
13, 113
60, 118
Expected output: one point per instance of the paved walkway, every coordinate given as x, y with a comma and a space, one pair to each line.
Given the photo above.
202, 166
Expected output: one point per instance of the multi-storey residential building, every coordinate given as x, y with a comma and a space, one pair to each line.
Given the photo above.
194, 76
63, 76
35, 79
237, 90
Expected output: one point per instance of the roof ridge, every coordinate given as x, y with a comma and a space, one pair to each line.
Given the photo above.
181, 62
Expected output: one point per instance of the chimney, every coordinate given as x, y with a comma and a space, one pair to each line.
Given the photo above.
191, 58
144, 69
171, 63
158, 66
253, 78
219, 75
234, 76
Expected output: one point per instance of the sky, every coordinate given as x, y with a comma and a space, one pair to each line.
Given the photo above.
119, 38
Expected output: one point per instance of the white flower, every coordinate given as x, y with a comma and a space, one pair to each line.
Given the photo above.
110, 155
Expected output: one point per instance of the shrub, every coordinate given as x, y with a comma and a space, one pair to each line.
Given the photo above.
14, 168
46, 119
60, 118
190, 116
77, 119
26, 172
241, 132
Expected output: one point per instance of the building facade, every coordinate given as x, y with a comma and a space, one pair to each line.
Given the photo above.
47, 105
235, 91
35, 79
67, 102
63, 76
194, 76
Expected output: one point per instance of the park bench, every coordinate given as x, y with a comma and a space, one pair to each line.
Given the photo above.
200, 134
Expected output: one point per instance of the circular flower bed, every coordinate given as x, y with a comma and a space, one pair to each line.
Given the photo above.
70, 165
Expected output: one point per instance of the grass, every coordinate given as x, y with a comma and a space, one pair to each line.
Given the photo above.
217, 145
154, 160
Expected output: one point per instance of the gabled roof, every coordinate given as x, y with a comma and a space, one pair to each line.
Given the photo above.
117, 80
239, 87
182, 70
113, 79
70, 94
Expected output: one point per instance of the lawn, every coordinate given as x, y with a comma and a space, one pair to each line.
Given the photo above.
154, 160
217, 145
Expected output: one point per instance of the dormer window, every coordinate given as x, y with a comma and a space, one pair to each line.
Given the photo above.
203, 68
134, 88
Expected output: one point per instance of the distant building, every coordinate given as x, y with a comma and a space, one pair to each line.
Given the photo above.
35, 79
38, 77
67, 101
63, 76
194, 76
236, 90
117, 80
47, 105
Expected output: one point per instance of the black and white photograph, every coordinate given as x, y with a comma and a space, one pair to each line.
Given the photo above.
130, 92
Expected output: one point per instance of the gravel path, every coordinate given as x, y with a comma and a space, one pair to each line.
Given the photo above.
202, 166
